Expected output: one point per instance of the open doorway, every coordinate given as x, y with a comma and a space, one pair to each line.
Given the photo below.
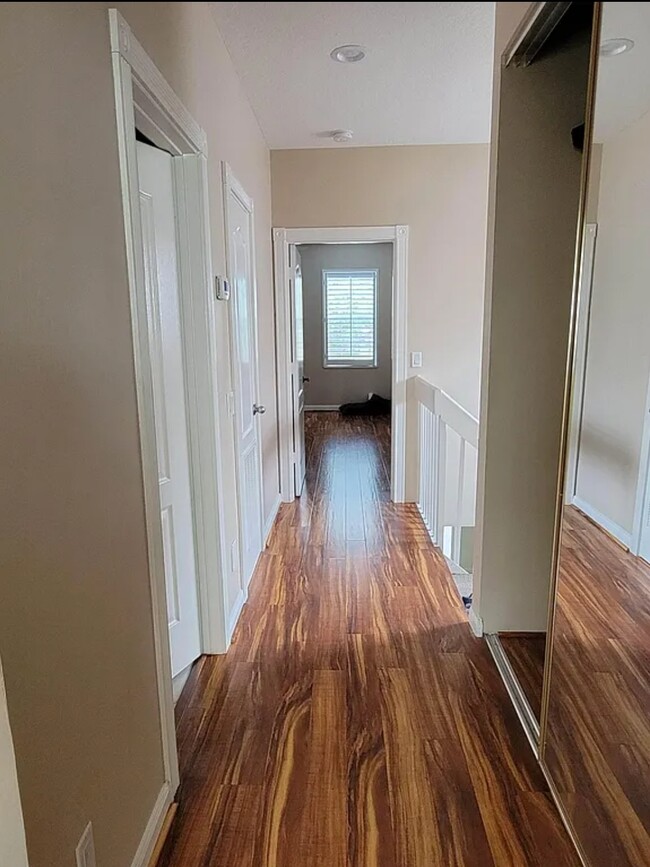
341, 318
340, 326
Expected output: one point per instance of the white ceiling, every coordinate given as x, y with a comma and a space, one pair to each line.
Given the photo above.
623, 83
426, 78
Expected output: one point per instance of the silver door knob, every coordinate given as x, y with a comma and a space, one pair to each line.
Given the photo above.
258, 408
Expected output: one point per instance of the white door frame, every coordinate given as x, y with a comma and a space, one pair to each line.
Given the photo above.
231, 186
398, 236
143, 97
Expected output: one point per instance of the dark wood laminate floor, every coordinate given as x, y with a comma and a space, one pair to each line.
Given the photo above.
525, 652
355, 721
598, 733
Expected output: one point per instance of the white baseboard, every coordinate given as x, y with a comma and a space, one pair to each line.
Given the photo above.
623, 536
179, 681
475, 622
154, 827
234, 615
323, 407
270, 521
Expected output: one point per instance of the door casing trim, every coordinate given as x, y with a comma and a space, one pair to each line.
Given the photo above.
398, 236
144, 98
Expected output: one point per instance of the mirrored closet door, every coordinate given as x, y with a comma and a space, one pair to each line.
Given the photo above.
595, 734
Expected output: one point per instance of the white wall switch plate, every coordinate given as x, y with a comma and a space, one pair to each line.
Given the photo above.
85, 850
416, 359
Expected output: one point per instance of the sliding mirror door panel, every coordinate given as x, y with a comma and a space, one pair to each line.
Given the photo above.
595, 734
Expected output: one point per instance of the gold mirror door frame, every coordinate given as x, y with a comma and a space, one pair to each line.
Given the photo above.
566, 415
582, 774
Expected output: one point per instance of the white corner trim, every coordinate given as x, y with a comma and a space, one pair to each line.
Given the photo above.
124, 43
323, 407
270, 520
614, 529
153, 828
475, 622
234, 614
282, 239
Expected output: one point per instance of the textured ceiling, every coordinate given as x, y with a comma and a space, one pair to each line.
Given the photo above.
426, 78
623, 83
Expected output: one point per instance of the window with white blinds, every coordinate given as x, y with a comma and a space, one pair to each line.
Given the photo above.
350, 318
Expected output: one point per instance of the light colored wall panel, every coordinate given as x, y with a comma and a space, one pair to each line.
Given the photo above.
440, 191
534, 197
75, 620
618, 354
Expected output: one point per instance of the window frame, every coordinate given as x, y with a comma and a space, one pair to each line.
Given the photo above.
351, 363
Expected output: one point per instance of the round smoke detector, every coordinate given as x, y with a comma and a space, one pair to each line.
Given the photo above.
342, 135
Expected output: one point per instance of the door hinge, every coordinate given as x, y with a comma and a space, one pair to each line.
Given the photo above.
230, 403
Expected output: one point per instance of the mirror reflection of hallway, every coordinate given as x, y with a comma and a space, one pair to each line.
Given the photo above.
597, 738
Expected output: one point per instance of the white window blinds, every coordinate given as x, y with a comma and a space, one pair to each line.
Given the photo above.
350, 318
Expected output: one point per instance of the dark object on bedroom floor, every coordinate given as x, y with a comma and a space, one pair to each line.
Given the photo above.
375, 405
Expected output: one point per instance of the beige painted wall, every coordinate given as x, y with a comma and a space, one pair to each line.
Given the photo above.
75, 618
534, 195
13, 852
332, 386
618, 356
440, 191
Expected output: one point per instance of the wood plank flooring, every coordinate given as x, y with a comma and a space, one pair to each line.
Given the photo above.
355, 721
525, 652
599, 737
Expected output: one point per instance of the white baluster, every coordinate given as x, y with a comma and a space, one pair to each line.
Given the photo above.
459, 504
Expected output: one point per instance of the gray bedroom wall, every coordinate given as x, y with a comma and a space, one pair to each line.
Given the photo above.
331, 386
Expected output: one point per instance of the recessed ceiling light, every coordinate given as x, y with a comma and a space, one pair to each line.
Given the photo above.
348, 53
342, 135
613, 47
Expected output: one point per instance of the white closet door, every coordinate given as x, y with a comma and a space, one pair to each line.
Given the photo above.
163, 310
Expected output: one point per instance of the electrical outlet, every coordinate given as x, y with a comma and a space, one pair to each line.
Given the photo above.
416, 359
85, 850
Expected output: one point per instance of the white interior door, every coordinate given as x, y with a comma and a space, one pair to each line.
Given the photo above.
298, 378
166, 350
239, 219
